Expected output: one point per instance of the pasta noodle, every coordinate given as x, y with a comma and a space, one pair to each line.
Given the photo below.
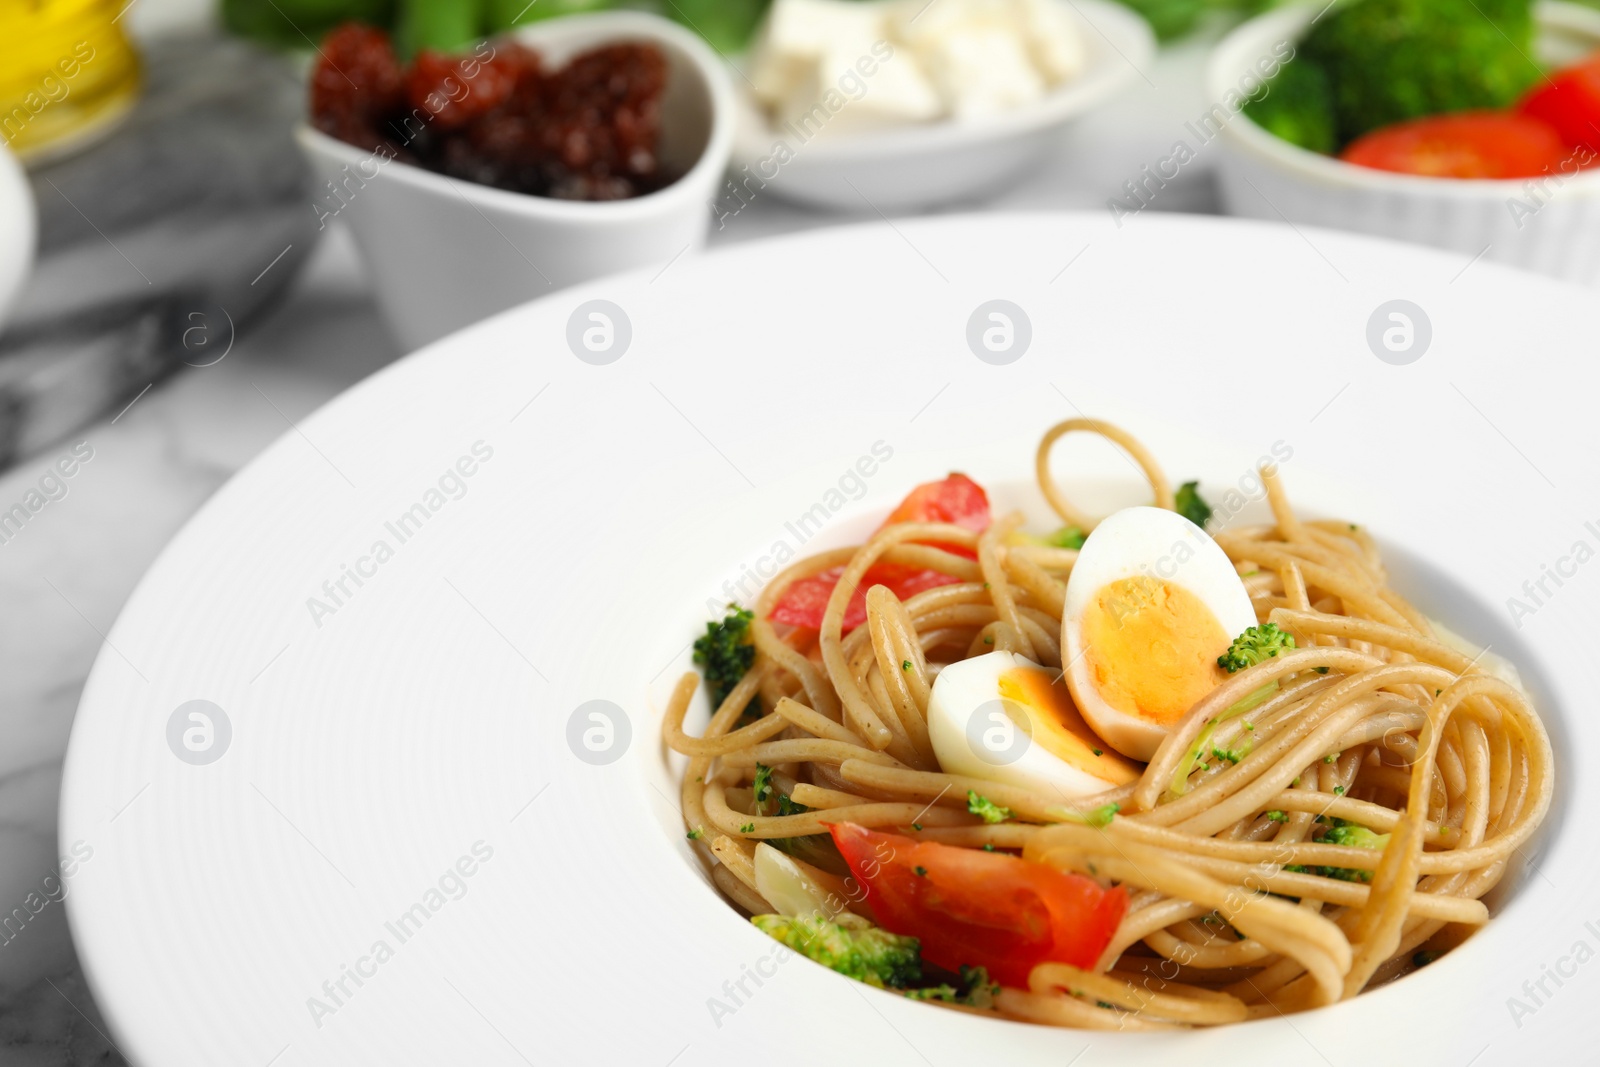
1233, 914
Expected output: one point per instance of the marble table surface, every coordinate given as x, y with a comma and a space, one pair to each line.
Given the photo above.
66, 575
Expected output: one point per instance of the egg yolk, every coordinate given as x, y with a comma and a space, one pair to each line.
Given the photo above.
1152, 648
1064, 735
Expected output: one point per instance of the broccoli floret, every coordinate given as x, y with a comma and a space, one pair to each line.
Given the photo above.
986, 809
1298, 107
1230, 755
725, 653
1391, 60
815, 849
867, 954
1099, 817
1354, 835
977, 990
1171, 19
1187, 503
762, 786
1351, 835
1067, 537
1255, 645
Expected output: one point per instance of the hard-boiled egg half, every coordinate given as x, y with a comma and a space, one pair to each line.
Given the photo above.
1004, 718
1151, 603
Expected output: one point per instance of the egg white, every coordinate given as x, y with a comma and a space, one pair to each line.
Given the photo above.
1160, 544
972, 688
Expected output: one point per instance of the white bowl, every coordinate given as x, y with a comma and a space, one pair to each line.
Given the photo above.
1264, 177
444, 252
924, 165
19, 228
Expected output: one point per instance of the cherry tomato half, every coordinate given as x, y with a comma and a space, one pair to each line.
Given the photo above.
1570, 102
977, 908
957, 500
1469, 144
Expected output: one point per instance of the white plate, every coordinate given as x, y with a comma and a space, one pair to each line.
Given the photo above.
922, 165
431, 710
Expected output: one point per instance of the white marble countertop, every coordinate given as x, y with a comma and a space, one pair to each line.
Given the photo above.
66, 575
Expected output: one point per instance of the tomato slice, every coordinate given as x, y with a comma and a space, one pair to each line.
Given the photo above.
1469, 144
1569, 100
806, 601
957, 500
980, 908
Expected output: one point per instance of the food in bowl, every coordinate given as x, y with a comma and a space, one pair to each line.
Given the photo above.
586, 130
1438, 88
1123, 775
901, 62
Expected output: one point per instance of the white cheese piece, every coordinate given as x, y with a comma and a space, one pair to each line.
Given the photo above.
798, 35
980, 70
1054, 39
839, 99
819, 66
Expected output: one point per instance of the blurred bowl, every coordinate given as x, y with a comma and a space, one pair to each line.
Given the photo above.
1263, 177
919, 166
444, 253
19, 229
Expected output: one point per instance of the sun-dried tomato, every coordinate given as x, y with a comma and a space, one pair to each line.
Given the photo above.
456, 90
585, 131
355, 85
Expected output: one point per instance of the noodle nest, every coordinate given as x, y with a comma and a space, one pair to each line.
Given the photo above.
1376, 718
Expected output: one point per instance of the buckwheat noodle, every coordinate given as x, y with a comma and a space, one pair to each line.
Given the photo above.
1377, 720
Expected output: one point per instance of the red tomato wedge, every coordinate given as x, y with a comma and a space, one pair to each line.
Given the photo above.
1569, 100
1469, 144
957, 500
978, 908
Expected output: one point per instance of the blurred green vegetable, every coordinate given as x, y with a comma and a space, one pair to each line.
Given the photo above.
300, 23
1172, 19
504, 14
1298, 107
1387, 61
442, 25
726, 24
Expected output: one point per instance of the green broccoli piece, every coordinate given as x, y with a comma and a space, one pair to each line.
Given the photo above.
977, 990
1171, 19
762, 786
1387, 61
815, 849
1067, 537
1255, 645
1351, 835
1099, 817
1354, 835
1230, 755
1188, 504
1298, 107
725, 653
986, 809
867, 954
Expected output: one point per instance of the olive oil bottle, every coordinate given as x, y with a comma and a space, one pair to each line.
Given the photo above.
67, 72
